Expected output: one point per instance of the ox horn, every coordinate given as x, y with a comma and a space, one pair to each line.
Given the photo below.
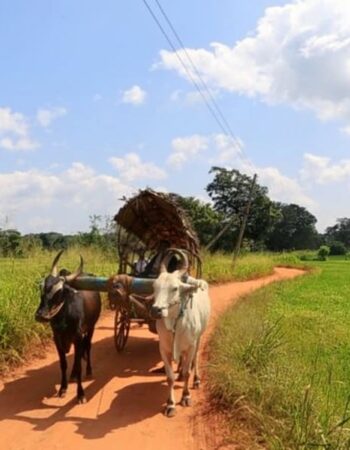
54, 270
184, 258
168, 256
165, 261
78, 272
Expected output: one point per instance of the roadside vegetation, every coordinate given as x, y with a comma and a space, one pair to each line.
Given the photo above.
280, 362
220, 267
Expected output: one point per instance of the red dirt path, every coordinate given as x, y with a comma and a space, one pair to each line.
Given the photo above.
124, 408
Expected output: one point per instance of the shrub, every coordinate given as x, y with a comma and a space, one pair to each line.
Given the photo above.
323, 252
337, 248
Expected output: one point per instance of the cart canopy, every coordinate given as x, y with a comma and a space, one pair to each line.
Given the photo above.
149, 218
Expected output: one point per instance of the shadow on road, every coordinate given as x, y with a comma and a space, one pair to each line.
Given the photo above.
28, 398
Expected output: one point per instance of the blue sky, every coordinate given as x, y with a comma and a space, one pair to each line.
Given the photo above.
94, 104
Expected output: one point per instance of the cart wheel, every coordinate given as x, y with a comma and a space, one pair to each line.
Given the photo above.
121, 328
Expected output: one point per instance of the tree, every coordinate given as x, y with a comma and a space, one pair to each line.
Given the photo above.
230, 191
339, 232
295, 230
323, 252
52, 240
205, 221
337, 248
102, 234
10, 241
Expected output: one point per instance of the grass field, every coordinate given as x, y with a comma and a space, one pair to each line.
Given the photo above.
280, 362
19, 290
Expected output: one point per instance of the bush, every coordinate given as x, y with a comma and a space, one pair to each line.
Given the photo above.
323, 252
306, 255
337, 248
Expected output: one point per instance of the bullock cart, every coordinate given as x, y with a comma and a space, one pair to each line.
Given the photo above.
149, 225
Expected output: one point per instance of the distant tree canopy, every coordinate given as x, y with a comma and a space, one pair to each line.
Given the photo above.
10, 240
102, 234
53, 240
340, 232
295, 229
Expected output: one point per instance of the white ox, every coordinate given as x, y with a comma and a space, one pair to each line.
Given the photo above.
182, 309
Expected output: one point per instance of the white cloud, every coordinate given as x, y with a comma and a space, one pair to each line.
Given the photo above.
283, 188
12, 122
36, 198
14, 131
227, 149
346, 130
23, 143
131, 168
186, 148
320, 169
45, 116
135, 95
221, 150
299, 54
215, 148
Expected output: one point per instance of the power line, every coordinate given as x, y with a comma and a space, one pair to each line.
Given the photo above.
218, 116
204, 84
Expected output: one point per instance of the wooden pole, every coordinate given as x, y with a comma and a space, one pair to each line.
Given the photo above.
244, 221
220, 233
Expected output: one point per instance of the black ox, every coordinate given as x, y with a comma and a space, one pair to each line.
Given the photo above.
72, 315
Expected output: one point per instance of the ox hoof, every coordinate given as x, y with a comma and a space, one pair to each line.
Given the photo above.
196, 384
186, 401
81, 399
170, 411
62, 392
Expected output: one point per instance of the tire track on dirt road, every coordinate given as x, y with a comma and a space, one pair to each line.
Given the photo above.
124, 408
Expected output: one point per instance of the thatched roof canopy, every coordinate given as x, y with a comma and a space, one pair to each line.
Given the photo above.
153, 217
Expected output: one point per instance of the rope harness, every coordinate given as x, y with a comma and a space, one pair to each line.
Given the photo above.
183, 307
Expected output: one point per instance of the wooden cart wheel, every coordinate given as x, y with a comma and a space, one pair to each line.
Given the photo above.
121, 328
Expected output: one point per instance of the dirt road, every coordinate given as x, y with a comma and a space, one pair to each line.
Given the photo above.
124, 399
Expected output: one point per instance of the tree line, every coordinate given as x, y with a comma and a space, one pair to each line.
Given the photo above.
271, 225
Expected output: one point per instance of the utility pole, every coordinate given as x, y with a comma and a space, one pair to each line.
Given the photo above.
221, 232
244, 221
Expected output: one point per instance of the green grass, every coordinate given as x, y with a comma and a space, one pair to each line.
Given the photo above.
280, 361
219, 267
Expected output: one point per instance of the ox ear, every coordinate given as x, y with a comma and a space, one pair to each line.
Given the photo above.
188, 288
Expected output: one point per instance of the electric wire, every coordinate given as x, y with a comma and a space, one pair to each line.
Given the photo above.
222, 122
204, 84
